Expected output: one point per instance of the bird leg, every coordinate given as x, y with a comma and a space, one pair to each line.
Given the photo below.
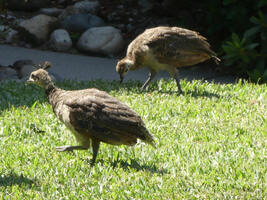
95, 145
177, 79
151, 75
70, 148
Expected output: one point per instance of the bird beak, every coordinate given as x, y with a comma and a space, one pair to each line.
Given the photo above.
29, 81
121, 78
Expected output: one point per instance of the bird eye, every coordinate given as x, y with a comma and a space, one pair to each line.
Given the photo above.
34, 77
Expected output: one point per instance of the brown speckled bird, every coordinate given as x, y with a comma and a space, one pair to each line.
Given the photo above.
92, 115
165, 48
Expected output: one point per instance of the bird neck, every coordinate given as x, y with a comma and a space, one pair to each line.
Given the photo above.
49, 88
135, 64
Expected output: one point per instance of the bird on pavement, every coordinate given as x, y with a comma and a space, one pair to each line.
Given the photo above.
92, 115
165, 48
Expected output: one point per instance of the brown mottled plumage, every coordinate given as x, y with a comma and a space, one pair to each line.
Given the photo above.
165, 48
93, 115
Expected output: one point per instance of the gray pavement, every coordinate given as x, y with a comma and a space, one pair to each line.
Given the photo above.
82, 67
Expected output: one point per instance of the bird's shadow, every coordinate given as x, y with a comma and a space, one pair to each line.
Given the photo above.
14, 179
192, 93
196, 93
133, 164
135, 87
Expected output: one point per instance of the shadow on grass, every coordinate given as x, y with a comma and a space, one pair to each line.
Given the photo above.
133, 164
194, 93
19, 94
136, 88
14, 179
197, 94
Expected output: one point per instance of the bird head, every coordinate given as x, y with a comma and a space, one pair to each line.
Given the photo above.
41, 77
123, 66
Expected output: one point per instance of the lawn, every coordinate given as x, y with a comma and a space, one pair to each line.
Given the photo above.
211, 144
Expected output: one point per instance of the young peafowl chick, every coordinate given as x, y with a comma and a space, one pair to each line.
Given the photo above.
165, 48
92, 115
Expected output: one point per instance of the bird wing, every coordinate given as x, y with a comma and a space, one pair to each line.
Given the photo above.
105, 118
172, 45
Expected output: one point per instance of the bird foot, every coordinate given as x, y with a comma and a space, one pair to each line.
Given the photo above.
92, 162
144, 88
64, 148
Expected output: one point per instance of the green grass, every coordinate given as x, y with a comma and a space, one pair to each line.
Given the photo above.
211, 144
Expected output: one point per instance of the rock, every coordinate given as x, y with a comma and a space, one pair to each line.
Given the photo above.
19, 63
87, 6
16, 22
105, 40
23, 67
70, 10
27, 5
12, 36
26, 71
37, 29
60, 40
51, 11
84, 7
7, 16
7, 73
81, 22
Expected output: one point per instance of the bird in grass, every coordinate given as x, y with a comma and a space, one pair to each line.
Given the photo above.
93, 116
165, 48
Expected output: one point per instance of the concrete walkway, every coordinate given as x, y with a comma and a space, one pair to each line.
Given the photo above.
80, 67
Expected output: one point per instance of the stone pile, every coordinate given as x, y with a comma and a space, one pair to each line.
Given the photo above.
89, 26
61, 29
